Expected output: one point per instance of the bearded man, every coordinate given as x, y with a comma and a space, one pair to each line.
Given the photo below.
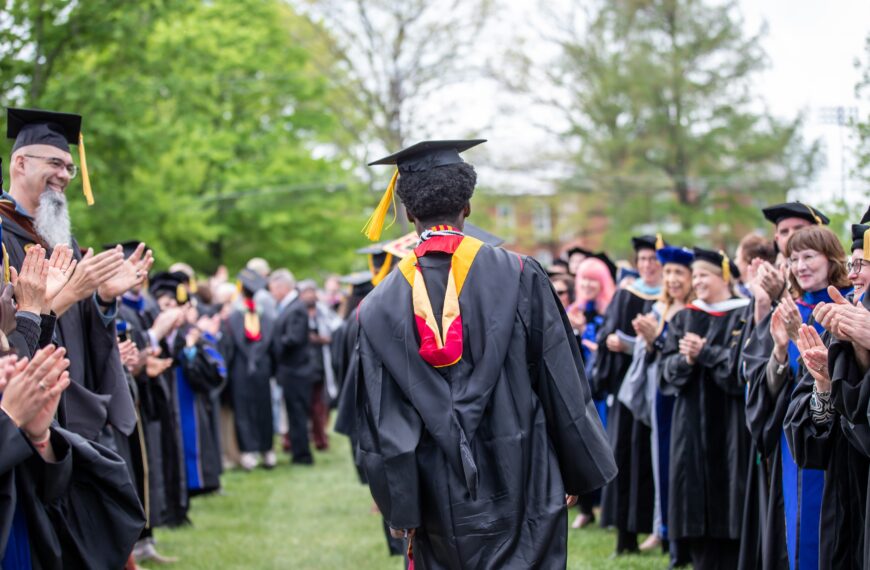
97, 404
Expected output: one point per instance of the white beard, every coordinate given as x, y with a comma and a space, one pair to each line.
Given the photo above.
52, 219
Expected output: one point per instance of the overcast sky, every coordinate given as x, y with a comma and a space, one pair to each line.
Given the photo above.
812, 46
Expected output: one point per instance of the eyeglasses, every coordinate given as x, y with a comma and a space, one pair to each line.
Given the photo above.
854, 266
561, 291
807, 258
57, 163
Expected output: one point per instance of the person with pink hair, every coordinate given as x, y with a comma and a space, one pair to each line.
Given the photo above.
594, 288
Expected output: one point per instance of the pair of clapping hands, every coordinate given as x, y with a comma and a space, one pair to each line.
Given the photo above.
31, 392
847, 322
56, 283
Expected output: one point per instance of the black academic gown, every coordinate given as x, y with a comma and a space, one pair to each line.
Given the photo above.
841, 447
763, 533
98, 395
81, 511
709, 441
164, 489
197, 378
478, 456
628, 502
250, 366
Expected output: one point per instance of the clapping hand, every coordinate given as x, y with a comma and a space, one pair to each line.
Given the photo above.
815, 356
129, 355
30, 282
33, 388
155, 366
646, 326
91, 271
61, 267
691, 345
7, 309
129, 274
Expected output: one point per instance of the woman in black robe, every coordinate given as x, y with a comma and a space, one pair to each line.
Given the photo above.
709, 442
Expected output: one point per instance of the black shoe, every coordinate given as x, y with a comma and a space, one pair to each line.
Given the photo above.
302, 461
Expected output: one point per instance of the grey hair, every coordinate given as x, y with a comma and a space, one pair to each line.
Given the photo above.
306, 284
284, 276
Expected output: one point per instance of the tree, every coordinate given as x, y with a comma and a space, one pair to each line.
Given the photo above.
658, 102
395, 57
205, 127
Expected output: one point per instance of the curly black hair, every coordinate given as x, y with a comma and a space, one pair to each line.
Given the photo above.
439, 193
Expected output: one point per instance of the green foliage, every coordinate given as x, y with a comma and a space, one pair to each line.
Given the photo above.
661, 106
205, 126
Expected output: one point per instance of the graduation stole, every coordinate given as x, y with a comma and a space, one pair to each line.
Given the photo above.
444, 349
252, 321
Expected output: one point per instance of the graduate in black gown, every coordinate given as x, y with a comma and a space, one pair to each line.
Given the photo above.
473, 414
246, 347
709, 441
627, 503
826, 422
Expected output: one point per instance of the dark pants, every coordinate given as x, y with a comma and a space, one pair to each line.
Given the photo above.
297, 398
713, 553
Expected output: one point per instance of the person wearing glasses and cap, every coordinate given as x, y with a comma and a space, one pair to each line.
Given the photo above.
474, 417
98, 404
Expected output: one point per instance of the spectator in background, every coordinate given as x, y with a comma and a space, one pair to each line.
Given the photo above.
752, 247
320, 363
262, 298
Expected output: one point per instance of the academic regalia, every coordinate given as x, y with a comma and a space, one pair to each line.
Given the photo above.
79, 512
200, 371
762, 540
246, 347
98, 402
627, 502
709, 442
842, 448
477, 455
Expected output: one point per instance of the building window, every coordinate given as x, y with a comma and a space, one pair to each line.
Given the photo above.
542, 221
505, 217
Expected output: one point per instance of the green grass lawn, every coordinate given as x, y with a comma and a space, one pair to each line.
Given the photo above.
319, 518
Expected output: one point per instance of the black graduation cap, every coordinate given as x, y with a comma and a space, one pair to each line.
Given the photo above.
420, 157
360, 283
778, 212
558, 267
858, 231
608, 262
427, 155
644, 242
866, 217
578, 249
165, 283
251, 280
35, 126
128, 246
719, 259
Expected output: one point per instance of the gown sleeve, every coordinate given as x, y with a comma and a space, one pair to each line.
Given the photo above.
675, 371
810, 443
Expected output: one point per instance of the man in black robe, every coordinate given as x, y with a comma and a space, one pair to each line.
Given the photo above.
98, 404
473, 416
627, 503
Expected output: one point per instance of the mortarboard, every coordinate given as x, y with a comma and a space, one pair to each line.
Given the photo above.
577, 249
35, 126
778, 212
166, 283
608, 262
861, 238
251, 280
420, 157
678, 255
558, 267
866, 217
380, 261
718, 258
646, 242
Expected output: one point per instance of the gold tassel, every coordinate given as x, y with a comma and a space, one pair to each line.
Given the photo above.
815, 216
866, 246
86, 181
7, 273
181, 294
375, 224
192, 285
660, 241
726, 266
383, 271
